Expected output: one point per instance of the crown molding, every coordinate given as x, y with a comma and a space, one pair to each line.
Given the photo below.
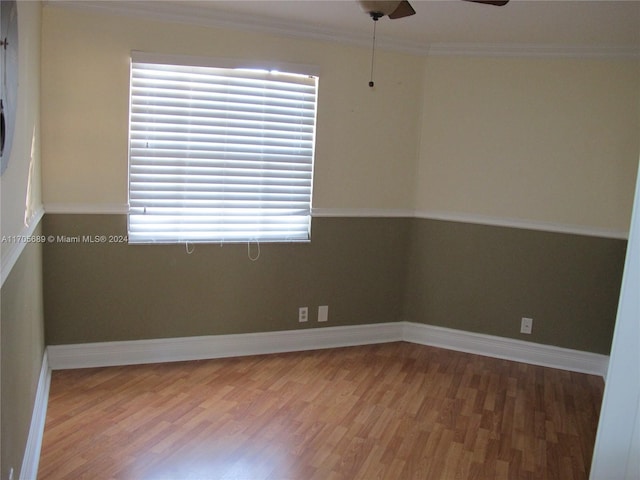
194, 14
532, 50
205, 17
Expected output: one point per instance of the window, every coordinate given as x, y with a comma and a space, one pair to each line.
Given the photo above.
219, 154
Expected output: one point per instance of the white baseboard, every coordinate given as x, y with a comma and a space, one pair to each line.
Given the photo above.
29, 468
507, 348
218, 346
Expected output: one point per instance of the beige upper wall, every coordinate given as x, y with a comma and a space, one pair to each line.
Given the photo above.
551, 141
366, 139
20, 183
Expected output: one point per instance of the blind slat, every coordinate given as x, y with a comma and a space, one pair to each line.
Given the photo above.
219, 155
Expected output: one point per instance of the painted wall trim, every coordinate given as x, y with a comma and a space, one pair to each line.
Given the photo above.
123, 209
522, 224
14, 250
83, 208
31, 459
362, 212
219, 346
471, 218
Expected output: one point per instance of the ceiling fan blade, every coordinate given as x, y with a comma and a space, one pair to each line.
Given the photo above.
497, 3
404, 10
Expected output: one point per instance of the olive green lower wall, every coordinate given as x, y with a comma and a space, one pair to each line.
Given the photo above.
368, 270
484, 279
97, 292
22, 350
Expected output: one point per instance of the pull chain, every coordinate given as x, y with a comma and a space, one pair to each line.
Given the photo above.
373, 48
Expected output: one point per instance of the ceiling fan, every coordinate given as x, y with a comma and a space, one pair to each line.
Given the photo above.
400, 9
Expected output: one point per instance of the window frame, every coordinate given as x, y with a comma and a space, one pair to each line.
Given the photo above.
273, 68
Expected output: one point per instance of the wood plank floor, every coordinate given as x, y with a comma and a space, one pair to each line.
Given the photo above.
391, 411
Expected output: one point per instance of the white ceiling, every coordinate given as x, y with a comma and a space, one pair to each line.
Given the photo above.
573, 27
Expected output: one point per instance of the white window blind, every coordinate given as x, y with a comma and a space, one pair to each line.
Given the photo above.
219, 154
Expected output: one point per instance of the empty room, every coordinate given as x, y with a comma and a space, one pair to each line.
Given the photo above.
320, 240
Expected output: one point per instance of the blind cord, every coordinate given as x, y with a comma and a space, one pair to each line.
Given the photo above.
253, 259
189, 248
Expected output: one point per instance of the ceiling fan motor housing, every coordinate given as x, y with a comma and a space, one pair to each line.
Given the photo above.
379, 8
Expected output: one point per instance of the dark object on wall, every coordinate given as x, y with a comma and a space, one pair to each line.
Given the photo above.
402, 8
8, 77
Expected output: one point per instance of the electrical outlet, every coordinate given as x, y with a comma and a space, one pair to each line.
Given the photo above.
526, 325
303, 314
323, 313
